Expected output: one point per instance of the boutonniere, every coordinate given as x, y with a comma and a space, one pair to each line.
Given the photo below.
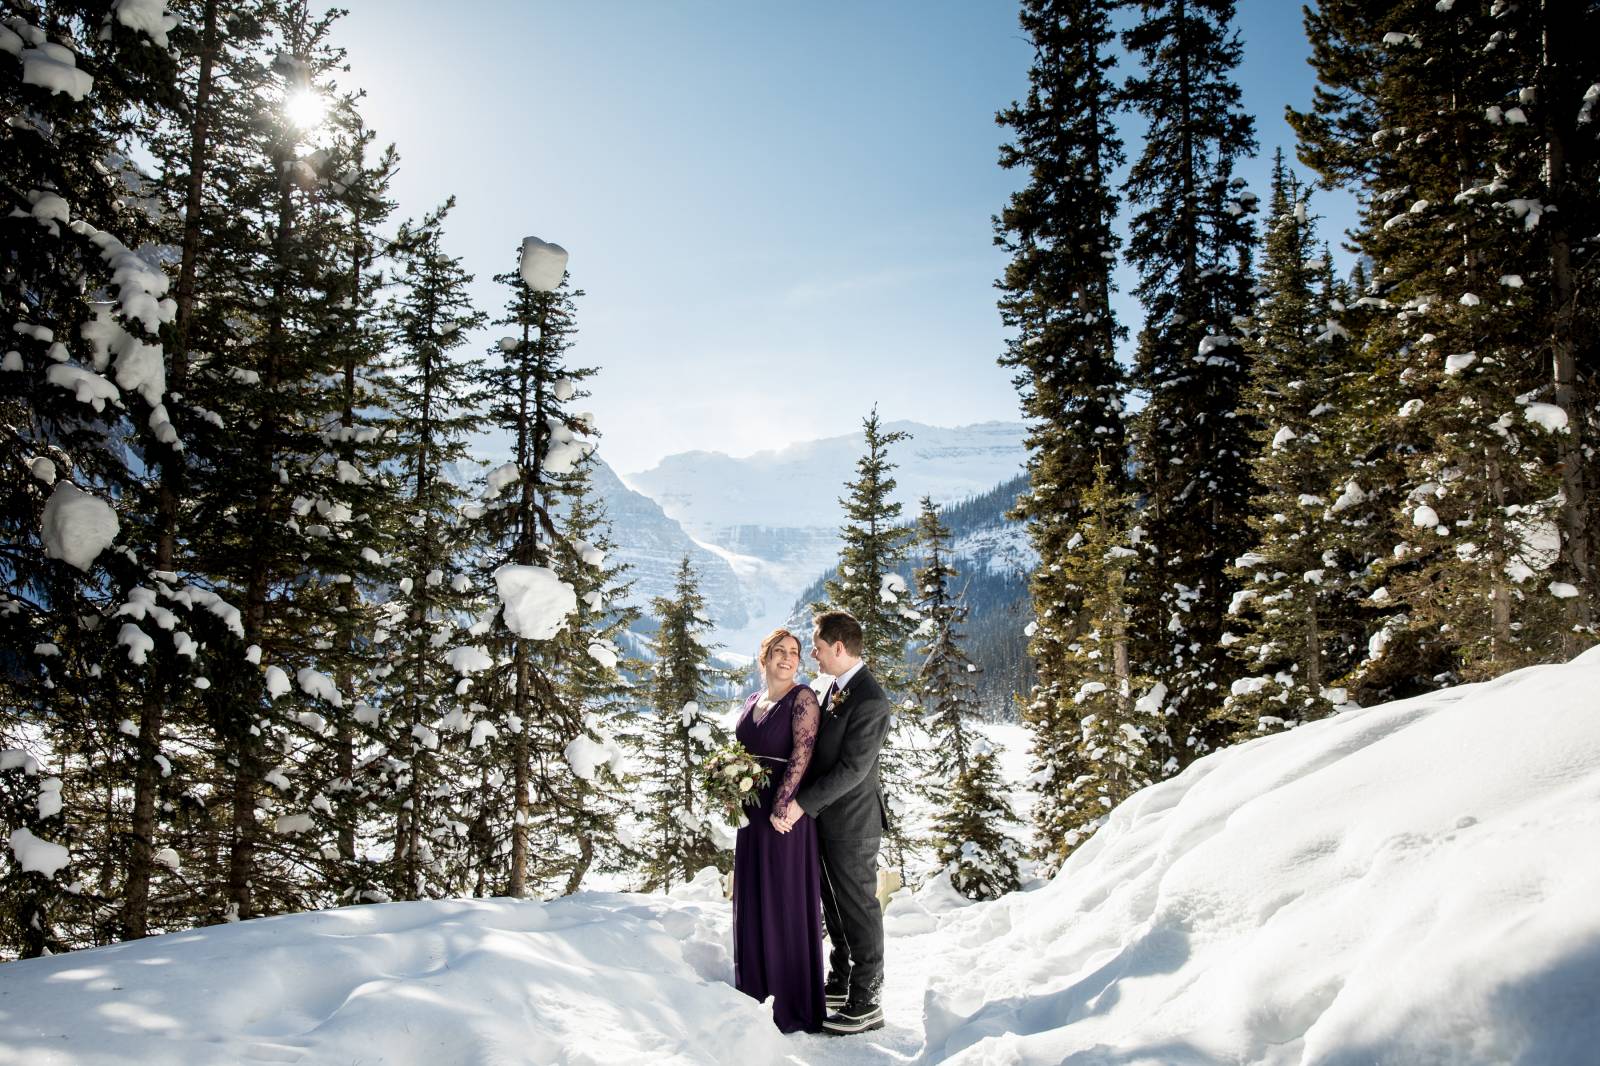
838, 698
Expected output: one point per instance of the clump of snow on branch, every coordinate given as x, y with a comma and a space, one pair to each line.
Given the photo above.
543, 264
537, 602
77, 526
149, 17
55, 67
35, 855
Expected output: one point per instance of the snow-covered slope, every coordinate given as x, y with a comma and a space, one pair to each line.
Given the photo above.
1417, 882
1412, 883
594, 979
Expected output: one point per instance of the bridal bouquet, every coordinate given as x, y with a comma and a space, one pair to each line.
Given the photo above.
734, 779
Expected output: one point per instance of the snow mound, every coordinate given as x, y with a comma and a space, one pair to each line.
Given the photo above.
593, 978
1413, 882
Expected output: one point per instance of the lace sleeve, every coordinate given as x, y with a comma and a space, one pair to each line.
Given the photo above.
806, 715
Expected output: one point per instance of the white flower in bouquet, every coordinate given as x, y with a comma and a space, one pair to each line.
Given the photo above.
744, 784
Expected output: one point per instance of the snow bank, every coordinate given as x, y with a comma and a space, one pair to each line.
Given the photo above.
1414, 882
587, 979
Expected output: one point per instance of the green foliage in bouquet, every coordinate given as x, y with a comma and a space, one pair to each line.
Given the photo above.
733, 778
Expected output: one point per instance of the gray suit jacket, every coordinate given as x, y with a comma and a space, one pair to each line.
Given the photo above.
841, 788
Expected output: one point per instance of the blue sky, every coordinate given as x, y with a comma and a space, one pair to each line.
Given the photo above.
780, 213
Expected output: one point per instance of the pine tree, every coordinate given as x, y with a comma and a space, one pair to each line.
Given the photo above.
972, 842
873, 545
273, 518
969, 834
581, 824
1450, 177
431, 390
873, 549
530, 390
943, 682
83, 394
1191, 242
371, 485
679, 825
1057, 297
1113, 749
1296, 611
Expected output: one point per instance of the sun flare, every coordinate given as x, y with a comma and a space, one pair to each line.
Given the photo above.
305, 108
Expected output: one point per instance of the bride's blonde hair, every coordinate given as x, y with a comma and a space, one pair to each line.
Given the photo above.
770, 641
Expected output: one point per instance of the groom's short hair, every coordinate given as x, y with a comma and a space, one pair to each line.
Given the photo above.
839, 627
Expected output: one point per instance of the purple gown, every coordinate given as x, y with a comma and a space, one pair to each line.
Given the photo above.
777, 878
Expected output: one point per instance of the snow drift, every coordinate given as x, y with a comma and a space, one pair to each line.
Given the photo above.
1416, 882
596, 979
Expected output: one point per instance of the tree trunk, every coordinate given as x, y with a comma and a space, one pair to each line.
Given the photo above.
146, 782
518, 887
581, 866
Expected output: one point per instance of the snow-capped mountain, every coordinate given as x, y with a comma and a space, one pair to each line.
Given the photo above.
652, 545
774, 517
993, 557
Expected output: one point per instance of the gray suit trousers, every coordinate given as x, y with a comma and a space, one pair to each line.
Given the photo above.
851, 912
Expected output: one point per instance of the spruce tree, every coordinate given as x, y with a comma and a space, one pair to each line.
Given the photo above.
1296, 616
1191, 242
679, 825
1429, 115
973, 846
531, 388
1115, 749
874, 546
943, 682
90, 629
969, 829
581, 824
1057, 295
431, 390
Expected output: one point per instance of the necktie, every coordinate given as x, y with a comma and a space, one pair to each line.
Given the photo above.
833, 691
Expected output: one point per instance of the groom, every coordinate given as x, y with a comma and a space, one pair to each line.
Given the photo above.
842, 794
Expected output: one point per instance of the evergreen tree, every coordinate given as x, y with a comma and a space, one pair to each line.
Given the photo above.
1297, 617
371, 485
431, 392
580, 825
969, 834
275, 519
531, 388
1191, 242
1057, 298
873, 550
83, 398
943, 682
973, 845
873, 545
1113, 748
679, 825
1451, 179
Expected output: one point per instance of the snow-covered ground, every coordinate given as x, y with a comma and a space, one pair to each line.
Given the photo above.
1412, 883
